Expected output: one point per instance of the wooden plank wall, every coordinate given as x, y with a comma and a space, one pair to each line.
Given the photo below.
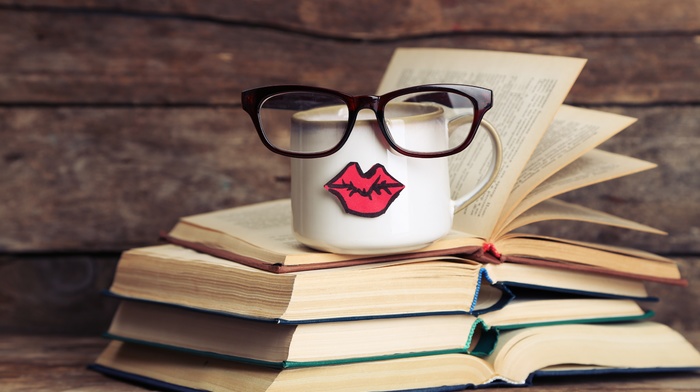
117, 117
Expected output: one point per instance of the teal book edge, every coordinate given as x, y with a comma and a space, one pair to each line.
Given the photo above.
286, 364
596, 320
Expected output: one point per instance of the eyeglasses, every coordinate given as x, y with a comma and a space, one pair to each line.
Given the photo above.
274, 108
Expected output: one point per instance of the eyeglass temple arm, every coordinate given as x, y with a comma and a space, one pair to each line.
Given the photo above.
299, 103
442, 98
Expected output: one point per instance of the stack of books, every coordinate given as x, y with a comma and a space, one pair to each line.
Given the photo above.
233, 302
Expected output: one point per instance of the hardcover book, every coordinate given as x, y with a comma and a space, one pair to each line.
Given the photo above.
520, 355
314, 343
180, 276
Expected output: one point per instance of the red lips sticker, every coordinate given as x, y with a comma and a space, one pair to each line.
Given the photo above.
364, 194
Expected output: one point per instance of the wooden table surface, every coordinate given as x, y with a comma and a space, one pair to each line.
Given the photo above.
58, 363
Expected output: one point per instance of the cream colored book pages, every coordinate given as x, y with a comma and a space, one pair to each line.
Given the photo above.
594, 167
523, 311
528, 91
265, 225
177, 275
574, 132
643, 345
380, 337
590, 256
566, 279
213, 374
178, 368
553, 209
574, 251
380, 289
175, 253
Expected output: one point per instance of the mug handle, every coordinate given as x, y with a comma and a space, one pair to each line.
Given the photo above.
496, 159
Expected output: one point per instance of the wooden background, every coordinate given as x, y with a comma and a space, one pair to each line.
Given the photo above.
117, 117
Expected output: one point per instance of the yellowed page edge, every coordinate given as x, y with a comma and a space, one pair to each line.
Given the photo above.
637, 253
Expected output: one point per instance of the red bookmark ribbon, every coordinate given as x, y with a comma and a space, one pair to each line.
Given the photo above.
489, 247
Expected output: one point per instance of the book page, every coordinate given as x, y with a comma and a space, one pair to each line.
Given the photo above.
593, 167
573, 132
539, 245
553, 209
265, 225
577, 349
528, 90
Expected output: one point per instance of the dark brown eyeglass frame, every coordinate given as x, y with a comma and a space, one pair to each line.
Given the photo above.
481, 99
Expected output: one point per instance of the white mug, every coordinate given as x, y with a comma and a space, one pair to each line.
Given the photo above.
368, 199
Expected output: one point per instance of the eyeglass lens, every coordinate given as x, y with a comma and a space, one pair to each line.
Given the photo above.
426, 122
444, 118
300, 110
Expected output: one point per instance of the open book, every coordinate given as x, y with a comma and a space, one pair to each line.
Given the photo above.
287, 345
549, 149
178, 276
519, 355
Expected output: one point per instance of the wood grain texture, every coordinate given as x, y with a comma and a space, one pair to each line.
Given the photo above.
85, 178
108, 179
367, 20
56, 294
40, 363
117, 117
677, 306
99, 58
